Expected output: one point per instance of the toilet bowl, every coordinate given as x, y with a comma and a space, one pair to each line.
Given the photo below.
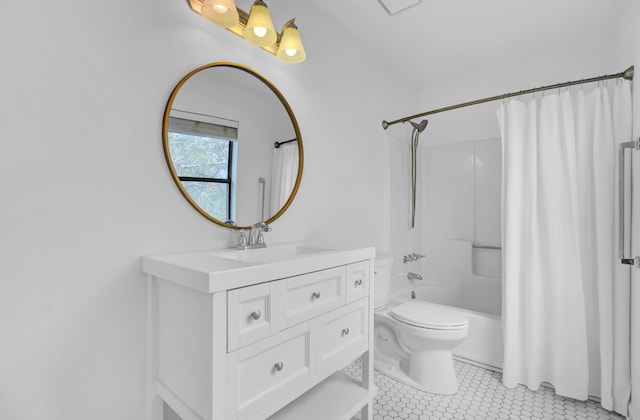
414, 340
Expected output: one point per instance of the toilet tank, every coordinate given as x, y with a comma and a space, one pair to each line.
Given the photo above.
382, 278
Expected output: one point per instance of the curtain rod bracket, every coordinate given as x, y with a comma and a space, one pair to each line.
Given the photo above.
628, 73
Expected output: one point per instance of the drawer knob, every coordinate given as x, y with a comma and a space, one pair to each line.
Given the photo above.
278, 366
315, 295
345, 331
256, 315
358, 282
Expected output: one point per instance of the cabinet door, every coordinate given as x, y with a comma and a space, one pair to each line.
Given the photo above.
357, 281
313, 294
264, 370
250, 315
339, 337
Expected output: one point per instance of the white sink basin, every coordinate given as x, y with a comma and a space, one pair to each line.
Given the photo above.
270, 254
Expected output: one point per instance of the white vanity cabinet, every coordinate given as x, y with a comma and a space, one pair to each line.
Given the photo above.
253, 340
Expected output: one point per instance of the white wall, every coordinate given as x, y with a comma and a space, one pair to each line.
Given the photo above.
86, 192
627, 51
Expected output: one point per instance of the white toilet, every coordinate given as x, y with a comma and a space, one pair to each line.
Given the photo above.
414, 340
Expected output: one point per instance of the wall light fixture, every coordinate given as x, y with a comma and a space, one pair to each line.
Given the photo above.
255, 26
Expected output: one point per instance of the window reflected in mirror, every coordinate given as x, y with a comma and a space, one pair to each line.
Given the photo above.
203, 150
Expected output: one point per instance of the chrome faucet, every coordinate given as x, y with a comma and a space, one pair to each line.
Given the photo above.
256, 239
414, 276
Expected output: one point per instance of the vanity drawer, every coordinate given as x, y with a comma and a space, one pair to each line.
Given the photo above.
270, 367
251, 315
313, 294
357, 281
340, 336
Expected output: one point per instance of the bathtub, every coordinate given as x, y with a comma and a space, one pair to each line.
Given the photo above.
481, 303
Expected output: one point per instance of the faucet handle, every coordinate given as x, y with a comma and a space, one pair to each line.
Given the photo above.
260, 239
242, 242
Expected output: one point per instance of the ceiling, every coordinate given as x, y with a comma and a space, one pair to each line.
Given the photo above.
439, 39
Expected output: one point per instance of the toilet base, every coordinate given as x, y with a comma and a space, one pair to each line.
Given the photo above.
397, 370
429, 366
442, 380
434, 371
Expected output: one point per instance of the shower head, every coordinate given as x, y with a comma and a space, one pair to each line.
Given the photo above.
419, 126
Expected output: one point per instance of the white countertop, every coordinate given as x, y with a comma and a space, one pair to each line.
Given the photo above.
212, 271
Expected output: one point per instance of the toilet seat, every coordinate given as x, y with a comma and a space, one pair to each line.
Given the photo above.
430, 316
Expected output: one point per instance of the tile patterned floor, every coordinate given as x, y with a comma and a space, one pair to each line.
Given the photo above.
481, 396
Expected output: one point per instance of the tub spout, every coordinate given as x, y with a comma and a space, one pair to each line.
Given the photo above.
414, 276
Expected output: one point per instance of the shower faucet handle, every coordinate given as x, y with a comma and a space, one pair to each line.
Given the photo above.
412, 257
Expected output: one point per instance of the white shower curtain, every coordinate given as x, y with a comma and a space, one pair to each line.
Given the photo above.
565, 298
284, 174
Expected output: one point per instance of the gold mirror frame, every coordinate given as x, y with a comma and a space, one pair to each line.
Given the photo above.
167, 154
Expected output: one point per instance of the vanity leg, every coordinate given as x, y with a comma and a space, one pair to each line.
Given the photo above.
368, 382
155, 408
367, 412
154, 402
368, 374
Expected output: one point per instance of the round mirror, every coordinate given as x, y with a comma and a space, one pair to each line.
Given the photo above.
233, 145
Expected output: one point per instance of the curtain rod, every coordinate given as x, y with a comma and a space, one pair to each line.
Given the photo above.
627, 74
277, 144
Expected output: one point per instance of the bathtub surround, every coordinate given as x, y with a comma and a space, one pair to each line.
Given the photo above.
563, 299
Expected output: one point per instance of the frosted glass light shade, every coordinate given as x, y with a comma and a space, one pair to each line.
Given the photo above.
260, 30
221, 12
291, 49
